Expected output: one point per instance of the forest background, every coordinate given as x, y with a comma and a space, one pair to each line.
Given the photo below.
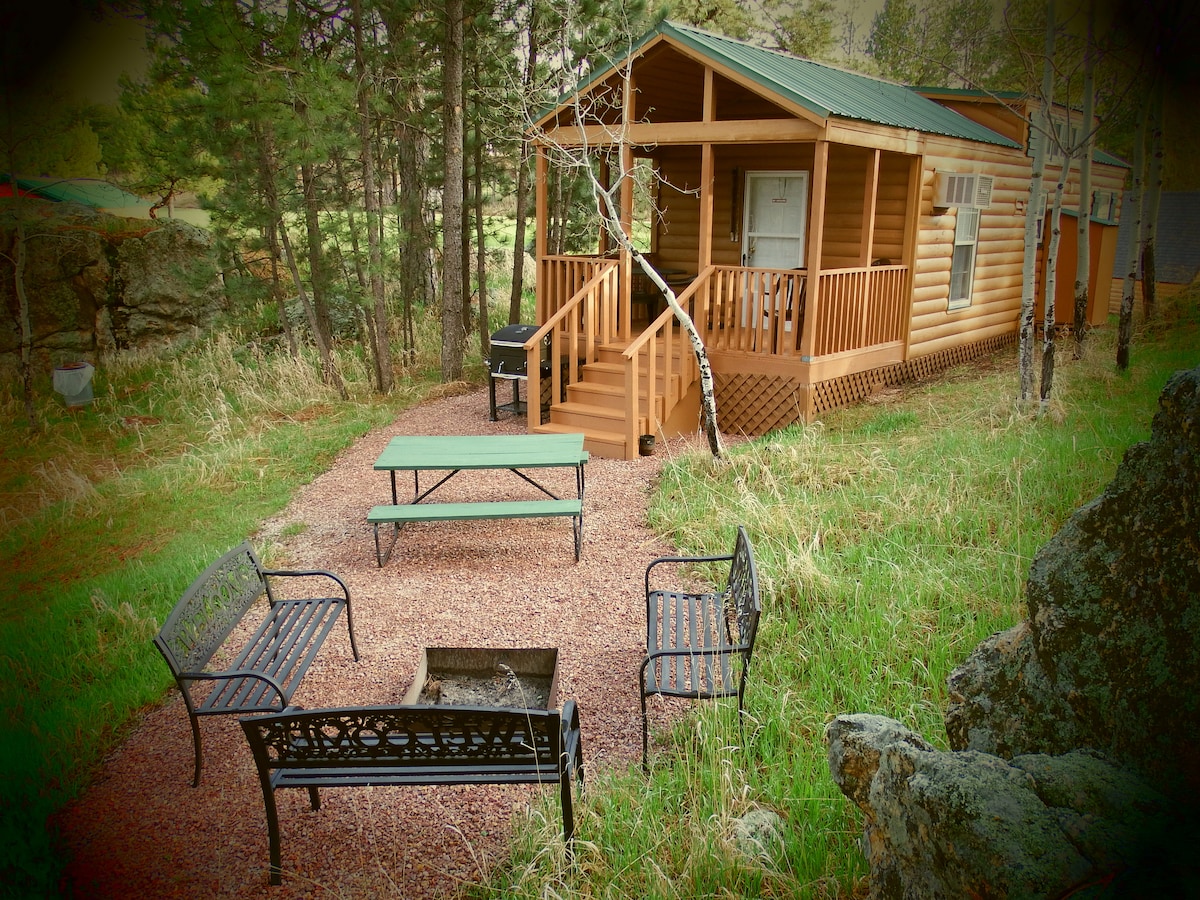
318, 138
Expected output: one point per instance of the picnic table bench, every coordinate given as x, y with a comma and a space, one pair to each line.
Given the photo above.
693, 637
268, 669
413, 745
448, 455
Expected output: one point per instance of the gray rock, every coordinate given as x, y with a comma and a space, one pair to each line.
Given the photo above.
758, 834
1110, 655
1076, 733
969, 824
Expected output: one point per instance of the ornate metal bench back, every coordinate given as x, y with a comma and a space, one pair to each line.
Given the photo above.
210, 609
415, 736
742, 604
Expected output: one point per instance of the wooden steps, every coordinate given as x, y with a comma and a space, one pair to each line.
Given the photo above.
596, 405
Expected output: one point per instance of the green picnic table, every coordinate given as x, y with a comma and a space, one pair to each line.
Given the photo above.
446, 455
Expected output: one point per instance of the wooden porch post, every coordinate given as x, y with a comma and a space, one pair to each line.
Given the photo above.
707, 168
625, 283
866, 251
540, 217
916, 174
870, 195
812, 255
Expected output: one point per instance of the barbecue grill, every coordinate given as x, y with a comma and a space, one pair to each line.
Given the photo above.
508, 361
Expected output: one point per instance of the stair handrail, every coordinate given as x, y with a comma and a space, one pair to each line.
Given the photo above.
591, 326
649, 340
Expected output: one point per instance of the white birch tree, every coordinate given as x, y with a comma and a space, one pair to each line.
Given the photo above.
1083, 259
1040, 135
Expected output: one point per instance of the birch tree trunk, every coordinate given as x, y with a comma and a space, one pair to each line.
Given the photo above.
1040, 135
1153, 196
1049, 315
612, 223
1125, 323
1083, 258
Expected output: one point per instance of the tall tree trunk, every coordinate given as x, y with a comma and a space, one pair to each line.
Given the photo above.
19, 257
328, 370
407, 331
1040, 133
522, 189
318, 276
452, 193
384, 381
1049, 316
1083, 258
1125, 322
285, 320
481, 279
1153, 196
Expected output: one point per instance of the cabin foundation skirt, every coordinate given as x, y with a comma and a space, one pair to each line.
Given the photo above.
756, 404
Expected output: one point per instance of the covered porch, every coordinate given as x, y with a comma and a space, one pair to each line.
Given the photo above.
829, 297
788, 235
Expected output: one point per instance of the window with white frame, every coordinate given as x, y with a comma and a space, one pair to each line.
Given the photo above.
962, 264
1104, 207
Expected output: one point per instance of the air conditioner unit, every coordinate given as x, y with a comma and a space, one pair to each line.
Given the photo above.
962, 189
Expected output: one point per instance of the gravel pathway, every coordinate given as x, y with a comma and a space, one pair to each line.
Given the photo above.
141, 830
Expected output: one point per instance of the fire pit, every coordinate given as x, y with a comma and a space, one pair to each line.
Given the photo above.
525, 678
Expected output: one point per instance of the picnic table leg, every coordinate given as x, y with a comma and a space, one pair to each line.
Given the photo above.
381, 555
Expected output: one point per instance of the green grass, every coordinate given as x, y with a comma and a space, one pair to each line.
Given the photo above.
109, 512
892, 538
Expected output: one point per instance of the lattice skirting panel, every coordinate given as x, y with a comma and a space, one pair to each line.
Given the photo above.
757, 404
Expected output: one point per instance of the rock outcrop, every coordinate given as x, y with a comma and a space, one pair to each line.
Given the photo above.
93, 290
1075, 734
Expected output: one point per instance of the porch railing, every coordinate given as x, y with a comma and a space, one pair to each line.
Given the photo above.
763, 311
561, 278
860, 308
667, 377
577, 323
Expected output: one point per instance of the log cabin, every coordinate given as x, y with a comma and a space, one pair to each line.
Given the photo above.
829, 234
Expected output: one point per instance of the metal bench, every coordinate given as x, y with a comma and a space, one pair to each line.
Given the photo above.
268, 669
413, 745
693, 638
399, 514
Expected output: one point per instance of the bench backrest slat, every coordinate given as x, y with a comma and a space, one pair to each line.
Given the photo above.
743, 604
407, 737
210, 609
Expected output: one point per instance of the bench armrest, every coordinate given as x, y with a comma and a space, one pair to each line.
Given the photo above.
306, 573
572, 740
232, 674
725, 557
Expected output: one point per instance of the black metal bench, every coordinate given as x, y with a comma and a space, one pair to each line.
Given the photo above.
266, 671
693, 638
413, 745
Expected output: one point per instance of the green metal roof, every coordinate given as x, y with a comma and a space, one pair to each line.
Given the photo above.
84, 191
825, 90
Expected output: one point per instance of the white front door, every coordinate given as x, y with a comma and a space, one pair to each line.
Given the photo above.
774, 226
776, 214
